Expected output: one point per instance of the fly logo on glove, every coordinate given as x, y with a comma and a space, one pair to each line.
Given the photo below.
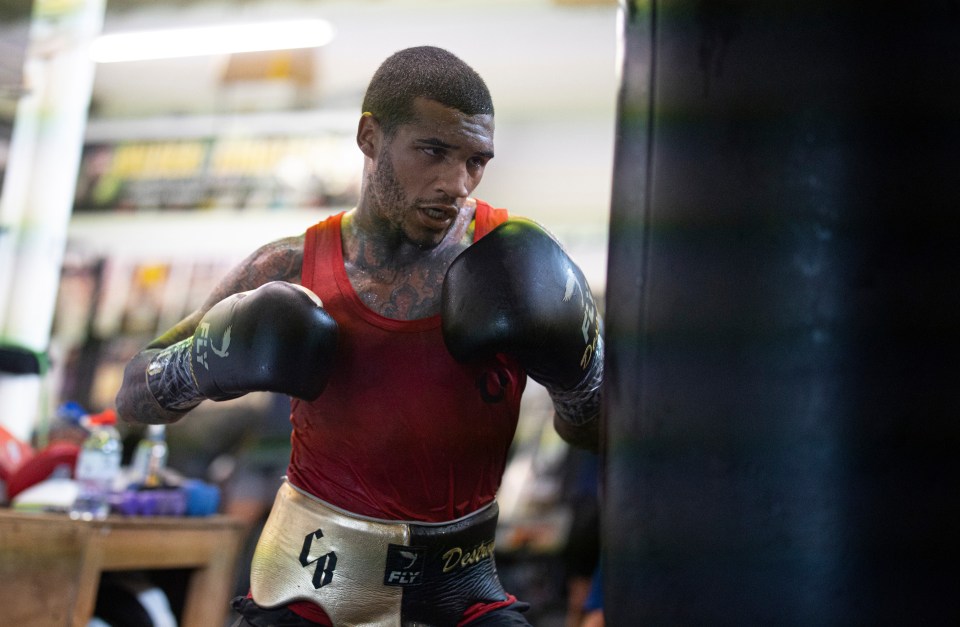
202, 341
591, 317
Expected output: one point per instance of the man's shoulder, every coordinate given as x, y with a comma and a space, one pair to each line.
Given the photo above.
283, 246
277, 260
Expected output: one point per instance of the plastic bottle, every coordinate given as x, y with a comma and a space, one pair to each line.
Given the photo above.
150, 458
98, 465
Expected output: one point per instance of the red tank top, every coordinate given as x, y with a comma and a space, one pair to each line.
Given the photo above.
402, 431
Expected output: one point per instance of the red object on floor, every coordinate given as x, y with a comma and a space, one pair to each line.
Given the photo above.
42, 465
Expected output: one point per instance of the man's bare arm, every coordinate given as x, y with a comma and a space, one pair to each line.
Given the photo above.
585, 436
280, 260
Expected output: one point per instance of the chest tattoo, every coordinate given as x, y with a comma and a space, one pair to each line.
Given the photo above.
401, 292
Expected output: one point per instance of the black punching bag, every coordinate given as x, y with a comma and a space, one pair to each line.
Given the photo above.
782, 409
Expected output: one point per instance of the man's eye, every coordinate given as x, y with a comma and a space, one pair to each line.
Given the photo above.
477, 163
433, 151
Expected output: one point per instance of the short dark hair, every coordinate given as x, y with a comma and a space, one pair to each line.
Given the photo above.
423, 72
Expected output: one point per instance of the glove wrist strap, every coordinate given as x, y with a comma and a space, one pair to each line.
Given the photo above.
581, 404
170, 378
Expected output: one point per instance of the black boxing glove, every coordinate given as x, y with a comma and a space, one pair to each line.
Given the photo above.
516, 291
276, 338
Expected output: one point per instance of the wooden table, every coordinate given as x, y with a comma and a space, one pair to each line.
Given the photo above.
50, 565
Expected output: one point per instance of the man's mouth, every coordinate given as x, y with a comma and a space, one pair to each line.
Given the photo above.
440, 213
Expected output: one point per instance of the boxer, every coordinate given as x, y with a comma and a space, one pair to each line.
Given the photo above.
404, 331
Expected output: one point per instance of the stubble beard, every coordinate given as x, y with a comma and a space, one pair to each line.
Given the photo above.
391, 203
387, 194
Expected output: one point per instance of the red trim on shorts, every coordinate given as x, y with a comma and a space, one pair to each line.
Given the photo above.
477, 610
311, 611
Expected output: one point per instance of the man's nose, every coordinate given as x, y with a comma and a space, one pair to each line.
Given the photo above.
455, 181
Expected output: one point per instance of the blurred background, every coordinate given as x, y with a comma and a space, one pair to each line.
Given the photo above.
185, 165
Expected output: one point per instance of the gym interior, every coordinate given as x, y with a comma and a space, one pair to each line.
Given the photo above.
761, 197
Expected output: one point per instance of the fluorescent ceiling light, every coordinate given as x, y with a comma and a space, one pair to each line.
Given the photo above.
210, 40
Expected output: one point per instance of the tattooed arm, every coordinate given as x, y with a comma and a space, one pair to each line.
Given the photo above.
280, 260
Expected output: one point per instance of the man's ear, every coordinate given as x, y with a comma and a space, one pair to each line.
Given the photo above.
368, 135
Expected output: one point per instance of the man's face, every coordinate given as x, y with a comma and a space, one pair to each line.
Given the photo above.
425, 172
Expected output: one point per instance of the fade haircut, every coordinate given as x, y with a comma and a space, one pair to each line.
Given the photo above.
423, 72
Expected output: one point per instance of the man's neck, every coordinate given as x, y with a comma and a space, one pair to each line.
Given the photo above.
392, 275
372, 243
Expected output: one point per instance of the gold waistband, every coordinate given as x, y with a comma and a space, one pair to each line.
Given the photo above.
310, 550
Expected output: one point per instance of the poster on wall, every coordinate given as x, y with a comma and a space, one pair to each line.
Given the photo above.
219, 173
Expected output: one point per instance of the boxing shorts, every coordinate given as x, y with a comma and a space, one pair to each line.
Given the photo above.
368, 571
